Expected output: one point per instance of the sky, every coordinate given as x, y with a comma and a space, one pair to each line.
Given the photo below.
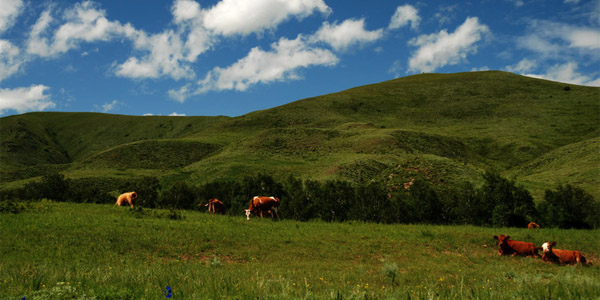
232, 57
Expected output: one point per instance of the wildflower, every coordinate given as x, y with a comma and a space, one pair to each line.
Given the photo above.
168, 292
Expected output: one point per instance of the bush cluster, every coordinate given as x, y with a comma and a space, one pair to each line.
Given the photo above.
498, 202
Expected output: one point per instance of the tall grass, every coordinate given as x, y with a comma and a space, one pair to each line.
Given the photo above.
111, 252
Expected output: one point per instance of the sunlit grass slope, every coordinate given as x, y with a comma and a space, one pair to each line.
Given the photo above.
115, 253
458, 124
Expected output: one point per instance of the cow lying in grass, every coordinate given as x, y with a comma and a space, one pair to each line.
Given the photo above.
560, 256
126, 198
510, 247
533, 225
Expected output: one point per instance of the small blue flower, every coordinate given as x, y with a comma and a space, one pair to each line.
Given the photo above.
168, 292
23, 298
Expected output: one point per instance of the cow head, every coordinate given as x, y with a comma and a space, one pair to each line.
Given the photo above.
248, 213
503, 243
547, 246
133, 196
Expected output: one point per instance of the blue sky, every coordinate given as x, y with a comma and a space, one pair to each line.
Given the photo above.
231, 57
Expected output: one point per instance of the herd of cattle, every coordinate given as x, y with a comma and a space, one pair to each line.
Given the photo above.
268, 206
260, 205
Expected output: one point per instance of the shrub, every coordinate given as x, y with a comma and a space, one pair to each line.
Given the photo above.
569, 207
12, 207
503, 203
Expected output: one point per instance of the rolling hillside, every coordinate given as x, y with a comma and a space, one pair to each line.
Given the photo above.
446, 127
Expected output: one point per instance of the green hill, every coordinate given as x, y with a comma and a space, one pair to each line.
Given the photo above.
446, 127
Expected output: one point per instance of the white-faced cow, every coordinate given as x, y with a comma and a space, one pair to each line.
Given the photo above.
560, 256
215, 206
261, 205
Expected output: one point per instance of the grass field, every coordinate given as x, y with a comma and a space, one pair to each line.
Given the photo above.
81, 251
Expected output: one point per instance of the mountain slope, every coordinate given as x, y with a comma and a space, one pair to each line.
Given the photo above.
455, 126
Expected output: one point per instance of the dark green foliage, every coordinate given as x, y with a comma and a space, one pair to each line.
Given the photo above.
53, 186
424, 203
179, 196
505, 204
12, 207
569, 207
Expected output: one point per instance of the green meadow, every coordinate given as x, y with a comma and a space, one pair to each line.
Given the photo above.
89, 251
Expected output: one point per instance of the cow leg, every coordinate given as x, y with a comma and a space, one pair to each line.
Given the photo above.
275, 209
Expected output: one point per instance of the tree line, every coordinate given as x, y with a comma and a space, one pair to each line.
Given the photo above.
498, 202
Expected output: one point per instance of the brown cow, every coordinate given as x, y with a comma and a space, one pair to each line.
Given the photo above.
215, 206
262, 205
560, 256
126, 198
510, 247
533, 225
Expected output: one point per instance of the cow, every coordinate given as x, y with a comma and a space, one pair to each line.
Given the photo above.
262, 206
533, 225
126, 198
215, 206
514, 248
560, 256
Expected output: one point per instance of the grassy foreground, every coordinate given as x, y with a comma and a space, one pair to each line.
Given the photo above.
88, 251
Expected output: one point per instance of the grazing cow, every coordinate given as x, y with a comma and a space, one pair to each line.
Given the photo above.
533, 225
559, 256
510, 247
262, 206
126, 198
215, 206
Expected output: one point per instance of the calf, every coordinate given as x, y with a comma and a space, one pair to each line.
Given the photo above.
510, 247
559, 256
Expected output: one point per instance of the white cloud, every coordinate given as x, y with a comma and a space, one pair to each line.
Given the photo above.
83, 23
571, 1
10, 59
185, 10
9, 11
25, 99
403, 15
181, 94
567, 73
231, 17
347, 34
174, 114
525, 65
106, 107
443, 48
166, 58
281, 63
556, 40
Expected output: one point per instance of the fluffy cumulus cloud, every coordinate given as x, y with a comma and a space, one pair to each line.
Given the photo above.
443, 48
281, 63
9, 10
25, 99
348, 33
82, 23
403, 15
231, 17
